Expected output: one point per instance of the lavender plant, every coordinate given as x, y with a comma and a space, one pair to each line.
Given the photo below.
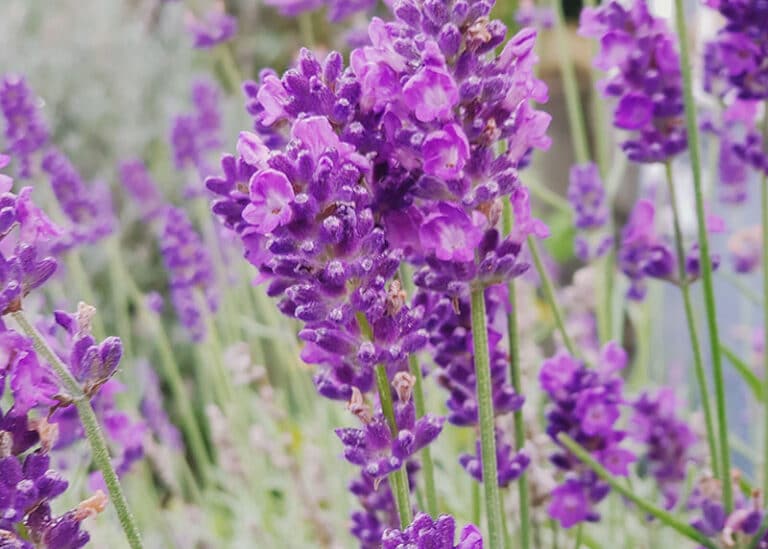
383, 235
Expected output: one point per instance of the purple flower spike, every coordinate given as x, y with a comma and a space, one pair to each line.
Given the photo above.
25, 130
189, 269
668, 441
138, 182
587, 197
585, 405
640, 52
211, 29
427, 533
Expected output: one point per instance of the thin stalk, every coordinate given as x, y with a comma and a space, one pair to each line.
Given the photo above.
664, 516
690, 316
549, 294
92, 431
706, 264
764, 221
399, 478
514, 374
476, 506
487, 424
571, 86
421, 409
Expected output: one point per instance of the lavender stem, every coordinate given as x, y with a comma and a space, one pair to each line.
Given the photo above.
92, 430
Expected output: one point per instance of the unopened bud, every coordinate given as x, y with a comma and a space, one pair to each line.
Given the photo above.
403, 384
91, 506
358, 407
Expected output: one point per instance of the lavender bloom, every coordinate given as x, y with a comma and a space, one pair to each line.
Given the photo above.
668, 441
736, 57
30, 484
449, 326
31, 383
25, 131
587, 197
740, 526
741, 148
746, 249
426, 533
379, 511
585, 405
153, 412
510, 464
641, 53
530, 15
211, 29
24, 228
643, 253
189, 270
196, 134
374, 448
89, 210
138, 182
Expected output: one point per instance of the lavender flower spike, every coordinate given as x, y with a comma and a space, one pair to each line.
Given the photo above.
25, 130
427, 533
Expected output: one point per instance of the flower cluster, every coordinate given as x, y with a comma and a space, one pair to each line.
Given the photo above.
89, 210
24, 229
588, 200
737, 56
643, 253
668, 441
25, 130
586, 404
352, 171
190, 270
194, 135
374, 448
212, 28
29, 485
425, 533
531, 15
641, 53
740, 526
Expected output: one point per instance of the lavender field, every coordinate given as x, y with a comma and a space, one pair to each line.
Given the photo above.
398, 274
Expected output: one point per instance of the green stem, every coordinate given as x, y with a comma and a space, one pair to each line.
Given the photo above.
487, 424
421, 409
764, 221
92, 430
690, 315
706, 264
514, 374
398, 479
571, 86
645, 506
549, 294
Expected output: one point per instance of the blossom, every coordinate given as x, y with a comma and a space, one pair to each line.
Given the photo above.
137, 180
588, 200
190, 271
640, 52
585, 406
271, 195
212, 28
668, 441
425, 533
25, 129
89, 210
